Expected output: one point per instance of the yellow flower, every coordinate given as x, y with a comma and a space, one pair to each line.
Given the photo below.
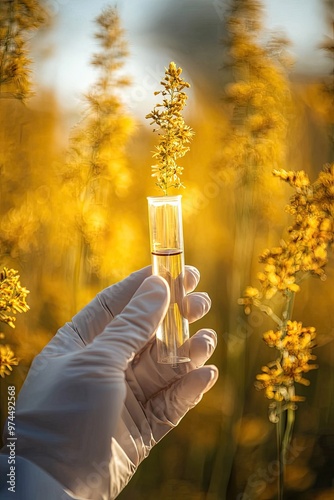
295, 179
175, 135
251, 294
305, 251
295, 345
272, 338
7, 360
12, 296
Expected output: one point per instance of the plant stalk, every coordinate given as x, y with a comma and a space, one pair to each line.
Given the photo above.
284, 426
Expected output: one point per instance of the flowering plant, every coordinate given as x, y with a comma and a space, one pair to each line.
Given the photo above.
12, 300
175, 135
303, 253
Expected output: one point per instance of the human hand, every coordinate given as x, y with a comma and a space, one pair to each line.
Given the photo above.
95, 400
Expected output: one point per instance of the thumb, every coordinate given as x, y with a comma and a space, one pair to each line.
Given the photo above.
129, 331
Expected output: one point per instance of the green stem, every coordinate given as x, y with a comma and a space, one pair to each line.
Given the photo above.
171, 93
284, 426
279, 440
287, 313
283, 442
288, 431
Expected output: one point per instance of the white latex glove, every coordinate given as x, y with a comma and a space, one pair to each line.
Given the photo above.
95, 401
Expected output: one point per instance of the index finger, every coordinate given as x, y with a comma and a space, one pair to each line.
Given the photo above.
93, 318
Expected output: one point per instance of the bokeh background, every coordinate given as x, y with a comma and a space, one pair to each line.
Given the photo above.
73, 214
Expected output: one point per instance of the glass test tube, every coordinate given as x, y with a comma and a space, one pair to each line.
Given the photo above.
166, 236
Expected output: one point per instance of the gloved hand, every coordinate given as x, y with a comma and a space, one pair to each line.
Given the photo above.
95, 401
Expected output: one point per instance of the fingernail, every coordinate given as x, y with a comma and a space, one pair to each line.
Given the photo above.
192, 277
212, 341
206, 302
213, 376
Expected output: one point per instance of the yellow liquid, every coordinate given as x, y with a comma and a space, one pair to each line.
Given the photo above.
174, 330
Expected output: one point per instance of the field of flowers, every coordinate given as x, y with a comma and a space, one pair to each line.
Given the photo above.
258, 208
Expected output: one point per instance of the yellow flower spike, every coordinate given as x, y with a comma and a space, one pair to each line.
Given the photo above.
12, 296
12, 301
304, 252
174, 134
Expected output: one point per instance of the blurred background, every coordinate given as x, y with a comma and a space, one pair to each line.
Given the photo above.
75, 157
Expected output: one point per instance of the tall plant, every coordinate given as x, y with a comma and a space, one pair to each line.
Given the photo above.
12, 301
18, 19
258, 102
303, 253
96, 176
